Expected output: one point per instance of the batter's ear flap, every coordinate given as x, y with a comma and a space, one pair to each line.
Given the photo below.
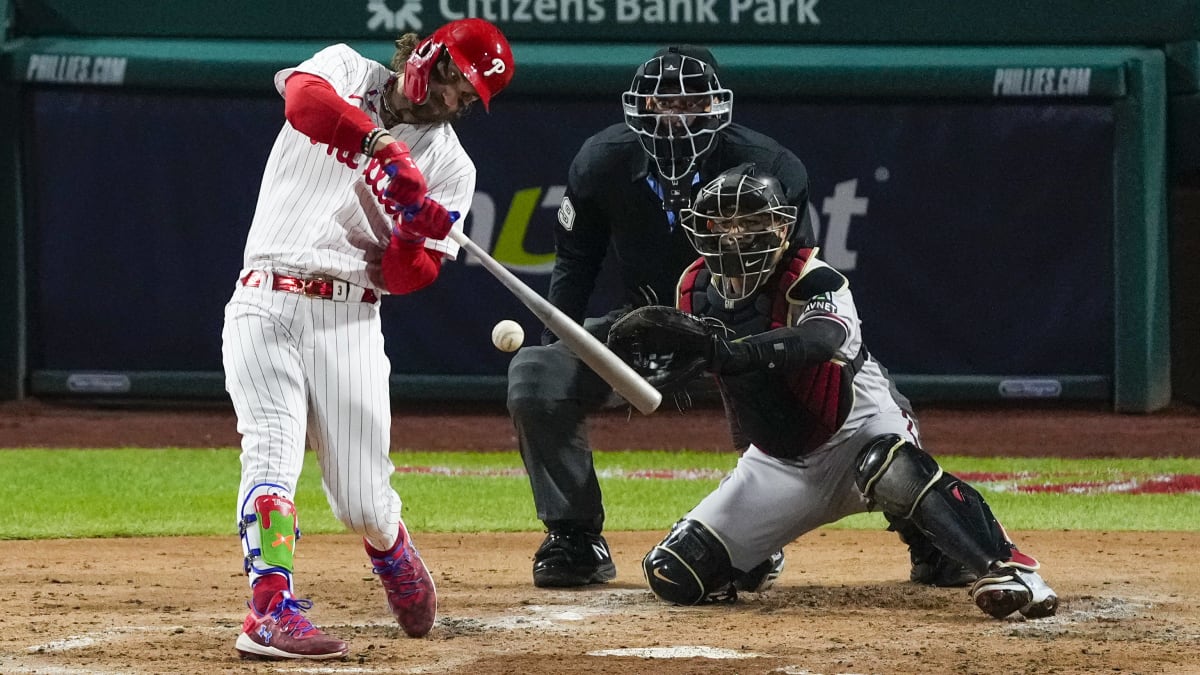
419, 68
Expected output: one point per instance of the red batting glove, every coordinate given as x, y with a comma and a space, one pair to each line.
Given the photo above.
429, 220
406, 186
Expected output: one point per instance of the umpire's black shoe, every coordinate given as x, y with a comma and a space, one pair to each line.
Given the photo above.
568, 558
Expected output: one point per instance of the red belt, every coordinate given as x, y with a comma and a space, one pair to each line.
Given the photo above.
316, 287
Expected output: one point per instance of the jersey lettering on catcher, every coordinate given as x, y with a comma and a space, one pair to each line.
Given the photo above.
290, 227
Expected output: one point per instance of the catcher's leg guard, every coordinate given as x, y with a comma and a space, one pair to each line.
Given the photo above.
907, 483
929, 565
269, 529
690, 566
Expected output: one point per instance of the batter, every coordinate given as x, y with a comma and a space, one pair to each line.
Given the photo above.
360, 190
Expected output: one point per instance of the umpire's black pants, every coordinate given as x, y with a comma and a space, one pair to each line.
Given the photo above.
550, 393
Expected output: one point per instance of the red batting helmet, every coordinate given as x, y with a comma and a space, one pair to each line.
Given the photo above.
476, 46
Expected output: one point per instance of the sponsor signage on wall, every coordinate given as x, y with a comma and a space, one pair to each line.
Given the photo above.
977, 237
752, 21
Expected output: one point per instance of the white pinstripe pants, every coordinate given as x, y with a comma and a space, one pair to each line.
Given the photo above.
294, 364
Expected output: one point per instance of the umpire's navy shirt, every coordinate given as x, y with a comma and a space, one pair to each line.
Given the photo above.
609, 201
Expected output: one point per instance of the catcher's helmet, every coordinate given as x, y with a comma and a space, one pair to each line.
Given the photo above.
676, 106
741, 224
476, 46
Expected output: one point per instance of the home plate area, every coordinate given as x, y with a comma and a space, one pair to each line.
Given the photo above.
842, 605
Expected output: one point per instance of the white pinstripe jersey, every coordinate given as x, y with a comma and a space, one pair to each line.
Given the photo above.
316, 213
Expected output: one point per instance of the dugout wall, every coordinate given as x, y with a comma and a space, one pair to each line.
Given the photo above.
1059, 146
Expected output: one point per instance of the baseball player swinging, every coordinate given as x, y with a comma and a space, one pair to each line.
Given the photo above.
827, 434
357, 199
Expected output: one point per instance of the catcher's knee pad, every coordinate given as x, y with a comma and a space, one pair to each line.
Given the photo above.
269, 528
906, 482
895, 474
690, 566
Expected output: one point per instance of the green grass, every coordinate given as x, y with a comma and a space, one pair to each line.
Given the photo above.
174, 492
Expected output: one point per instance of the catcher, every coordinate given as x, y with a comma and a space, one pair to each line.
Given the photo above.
826, 434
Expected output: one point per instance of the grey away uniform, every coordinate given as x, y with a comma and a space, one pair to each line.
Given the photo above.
802, 429
827, 434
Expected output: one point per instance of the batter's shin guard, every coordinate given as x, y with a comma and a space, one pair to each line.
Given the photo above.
269, 529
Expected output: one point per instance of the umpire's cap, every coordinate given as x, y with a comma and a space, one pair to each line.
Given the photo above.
694, 51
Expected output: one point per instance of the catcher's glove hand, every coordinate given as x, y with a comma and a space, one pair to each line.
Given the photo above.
664, 345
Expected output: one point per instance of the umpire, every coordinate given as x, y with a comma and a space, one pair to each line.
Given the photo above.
624, 191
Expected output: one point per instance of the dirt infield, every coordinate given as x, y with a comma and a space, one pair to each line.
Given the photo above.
174, 605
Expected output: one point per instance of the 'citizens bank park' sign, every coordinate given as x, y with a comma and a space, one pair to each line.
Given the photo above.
831, 22
394, 15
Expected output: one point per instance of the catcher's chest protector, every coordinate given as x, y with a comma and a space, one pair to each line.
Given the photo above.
785, 414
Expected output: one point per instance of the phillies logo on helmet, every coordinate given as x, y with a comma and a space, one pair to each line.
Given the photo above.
497, 67
476, 46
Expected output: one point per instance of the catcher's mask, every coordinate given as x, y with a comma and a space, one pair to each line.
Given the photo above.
740, 224
676, 106
476, 46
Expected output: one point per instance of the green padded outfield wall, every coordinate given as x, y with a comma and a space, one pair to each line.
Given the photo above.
947, 22
887, 50
12, 262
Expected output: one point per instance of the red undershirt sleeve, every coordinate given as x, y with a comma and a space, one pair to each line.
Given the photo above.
314, 108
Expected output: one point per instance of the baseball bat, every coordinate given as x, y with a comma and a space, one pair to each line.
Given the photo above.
624, 380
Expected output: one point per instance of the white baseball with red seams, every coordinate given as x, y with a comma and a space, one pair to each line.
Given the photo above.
299, 366
508, 335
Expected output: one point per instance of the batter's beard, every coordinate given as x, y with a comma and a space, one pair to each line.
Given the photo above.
431, 112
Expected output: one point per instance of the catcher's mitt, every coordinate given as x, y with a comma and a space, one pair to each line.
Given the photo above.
664, 345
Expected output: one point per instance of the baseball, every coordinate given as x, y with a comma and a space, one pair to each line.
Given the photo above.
508, 335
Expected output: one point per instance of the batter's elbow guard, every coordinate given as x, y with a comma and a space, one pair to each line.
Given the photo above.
690, 566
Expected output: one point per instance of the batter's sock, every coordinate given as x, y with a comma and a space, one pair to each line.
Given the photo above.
401, 537
265, 588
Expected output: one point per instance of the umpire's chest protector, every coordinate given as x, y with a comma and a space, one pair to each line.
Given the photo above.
786, 414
